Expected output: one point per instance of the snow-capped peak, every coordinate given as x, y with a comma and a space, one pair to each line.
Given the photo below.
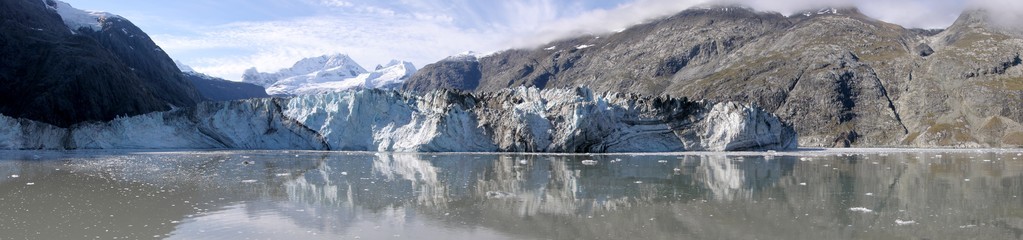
76, 18
388, 76
330, 73
324, 68
184, 68
394, 62
465, 56
828, 11
326, 62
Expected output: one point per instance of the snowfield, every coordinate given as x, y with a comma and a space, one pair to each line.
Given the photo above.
329, 73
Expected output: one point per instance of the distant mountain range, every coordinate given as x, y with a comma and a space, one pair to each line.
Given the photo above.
218, 89
329, 73
842, 78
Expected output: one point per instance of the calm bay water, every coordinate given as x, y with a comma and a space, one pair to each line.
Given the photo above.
336, 195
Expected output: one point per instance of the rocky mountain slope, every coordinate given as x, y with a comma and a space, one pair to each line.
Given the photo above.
519, 120
63, 66
329, 73
842, 78
218, 89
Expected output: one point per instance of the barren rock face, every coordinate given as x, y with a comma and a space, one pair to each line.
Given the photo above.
841, 78
514, 120
57, 72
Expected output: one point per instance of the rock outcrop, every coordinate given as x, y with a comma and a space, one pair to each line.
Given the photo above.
840, 77
516, 120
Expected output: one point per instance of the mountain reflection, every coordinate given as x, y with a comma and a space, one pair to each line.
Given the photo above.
509, 196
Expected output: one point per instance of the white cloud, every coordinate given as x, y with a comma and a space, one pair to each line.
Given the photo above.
272, 45
337, 3
424, 31
1008, 13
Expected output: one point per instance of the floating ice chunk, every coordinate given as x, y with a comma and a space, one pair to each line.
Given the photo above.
638, 182
861, 209
249, 181
869, 194
662, 161
802, 184
497, 194
15, 176
968, 226
523, 161
344, 173
589, 162
30, 184
966, 180
283, 174
901, 222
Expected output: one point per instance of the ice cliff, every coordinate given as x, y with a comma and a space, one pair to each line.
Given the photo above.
515, 120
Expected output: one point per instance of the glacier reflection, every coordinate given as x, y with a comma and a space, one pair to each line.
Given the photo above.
509, 196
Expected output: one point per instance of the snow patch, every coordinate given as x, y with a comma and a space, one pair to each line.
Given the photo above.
76, 19
584, 46
184, 68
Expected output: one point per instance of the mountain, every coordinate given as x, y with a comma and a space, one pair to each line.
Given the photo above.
64, 66
842, 78
460, 72
309, 70
329, 73
218, 89
514, 120
390, 76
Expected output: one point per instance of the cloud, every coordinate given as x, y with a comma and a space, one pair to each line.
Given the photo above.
272, 45
600, 21
1007, 13
337, 3
910, 13
424, 31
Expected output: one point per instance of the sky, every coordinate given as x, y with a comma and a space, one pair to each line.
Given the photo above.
224, 37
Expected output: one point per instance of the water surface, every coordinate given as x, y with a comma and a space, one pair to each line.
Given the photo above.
337, 195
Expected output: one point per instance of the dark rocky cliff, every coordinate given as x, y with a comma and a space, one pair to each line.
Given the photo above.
57, 74
217, 89
842, 78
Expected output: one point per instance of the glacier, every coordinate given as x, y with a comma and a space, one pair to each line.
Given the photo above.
514, 120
